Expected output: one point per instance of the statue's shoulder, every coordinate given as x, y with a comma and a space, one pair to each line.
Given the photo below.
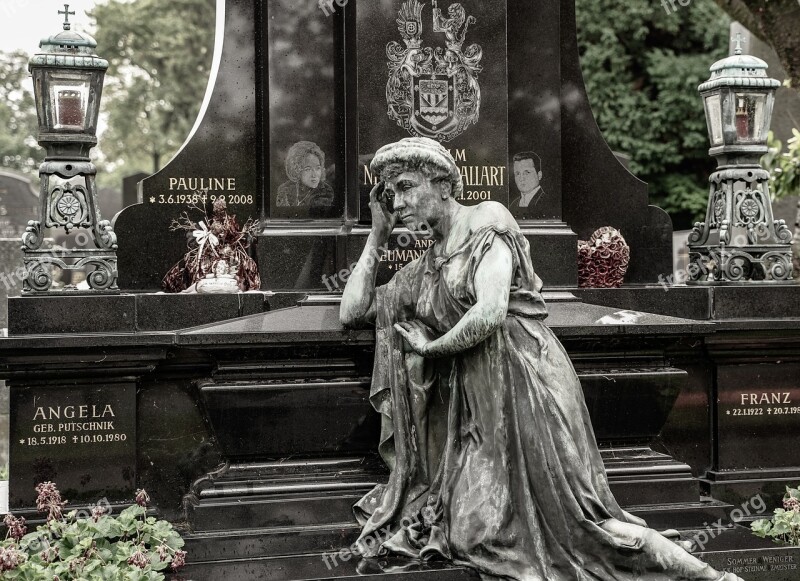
491, 214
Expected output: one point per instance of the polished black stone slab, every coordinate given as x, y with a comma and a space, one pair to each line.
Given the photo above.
39, 315
129, 313
271, 419
165, 312
303, 107
62, 433
303, 259
534, 108
751, 301
758, 414
673, 301
219, 159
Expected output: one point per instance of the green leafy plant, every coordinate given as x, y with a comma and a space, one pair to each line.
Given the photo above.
129, 547
784, 166
4, 472
784, 526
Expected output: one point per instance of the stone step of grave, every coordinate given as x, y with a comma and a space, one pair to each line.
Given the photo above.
638, 476
742, 486
694, 515
314, 567
735, 550
280, 494
304, 468
276, 510
281, 541
259, 543
322, 491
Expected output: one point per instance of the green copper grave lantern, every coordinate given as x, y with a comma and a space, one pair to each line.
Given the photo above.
740, 241
68, 83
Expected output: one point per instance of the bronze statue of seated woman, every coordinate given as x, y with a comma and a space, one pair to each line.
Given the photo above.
493, 460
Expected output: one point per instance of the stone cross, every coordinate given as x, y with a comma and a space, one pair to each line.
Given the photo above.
66, 12
739, 40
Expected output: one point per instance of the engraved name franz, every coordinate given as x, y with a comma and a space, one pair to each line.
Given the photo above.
759, 398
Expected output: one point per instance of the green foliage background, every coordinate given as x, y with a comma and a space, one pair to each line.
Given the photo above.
160, 56
18, 148
642, 67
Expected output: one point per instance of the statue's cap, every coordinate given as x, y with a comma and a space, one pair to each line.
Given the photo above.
416, 151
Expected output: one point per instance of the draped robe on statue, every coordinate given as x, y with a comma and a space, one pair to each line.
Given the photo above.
493, 460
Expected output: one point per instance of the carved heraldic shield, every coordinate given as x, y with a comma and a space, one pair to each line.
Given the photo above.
434, 92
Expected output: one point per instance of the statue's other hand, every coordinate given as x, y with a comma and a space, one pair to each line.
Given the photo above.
417, 335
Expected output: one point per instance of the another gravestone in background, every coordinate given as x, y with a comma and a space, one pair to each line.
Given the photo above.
18, 204
110, 201
219, 160
130, 189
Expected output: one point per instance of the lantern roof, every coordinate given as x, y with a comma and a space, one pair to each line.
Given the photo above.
739, 70
68, 48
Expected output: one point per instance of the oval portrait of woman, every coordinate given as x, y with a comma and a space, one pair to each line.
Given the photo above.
306, 193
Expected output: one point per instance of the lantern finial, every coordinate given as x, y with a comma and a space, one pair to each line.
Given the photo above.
739, 40
66, 14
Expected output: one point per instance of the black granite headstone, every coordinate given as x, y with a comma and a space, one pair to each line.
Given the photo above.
220, 159
758, 412
305, 93
83, 437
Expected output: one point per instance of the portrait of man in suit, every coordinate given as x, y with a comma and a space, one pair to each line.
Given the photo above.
527, 177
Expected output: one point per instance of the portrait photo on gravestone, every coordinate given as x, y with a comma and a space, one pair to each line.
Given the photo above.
434, 290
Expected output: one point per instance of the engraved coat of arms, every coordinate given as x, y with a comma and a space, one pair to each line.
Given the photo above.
434, 92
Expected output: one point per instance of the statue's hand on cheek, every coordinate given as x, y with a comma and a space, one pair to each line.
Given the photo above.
383, 220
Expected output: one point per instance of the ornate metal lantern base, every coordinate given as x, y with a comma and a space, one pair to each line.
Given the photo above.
69, 200
740, 241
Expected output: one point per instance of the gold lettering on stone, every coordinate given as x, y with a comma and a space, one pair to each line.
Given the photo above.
70, 412
202, 184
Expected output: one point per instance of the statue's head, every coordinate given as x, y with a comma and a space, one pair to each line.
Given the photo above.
421, 175
305, 163
419, 154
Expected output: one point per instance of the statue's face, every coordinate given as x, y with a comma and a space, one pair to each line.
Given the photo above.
526, 176
417, 200
311, 174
